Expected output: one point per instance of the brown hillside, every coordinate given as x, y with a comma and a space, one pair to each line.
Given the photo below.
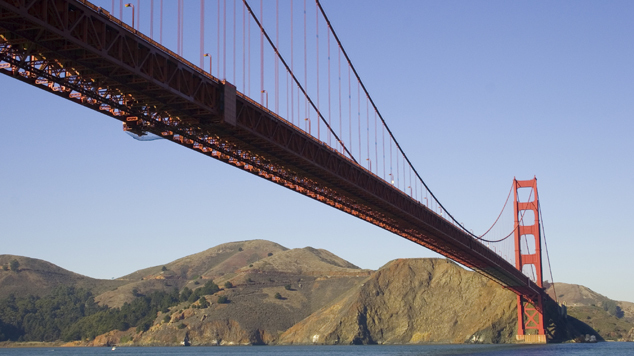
575, 295
190, 271
254, 315
39, 277
413, 301
588, 306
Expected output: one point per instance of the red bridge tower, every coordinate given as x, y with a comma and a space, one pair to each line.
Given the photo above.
530, 318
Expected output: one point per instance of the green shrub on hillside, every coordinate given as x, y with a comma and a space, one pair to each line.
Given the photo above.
14, 265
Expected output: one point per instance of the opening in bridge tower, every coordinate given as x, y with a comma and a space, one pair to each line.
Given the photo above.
530, 317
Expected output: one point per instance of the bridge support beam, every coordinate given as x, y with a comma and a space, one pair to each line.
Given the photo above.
530, 317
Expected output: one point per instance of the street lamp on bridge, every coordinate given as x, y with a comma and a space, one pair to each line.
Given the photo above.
210, 60
308, 120
132, 6
267, 97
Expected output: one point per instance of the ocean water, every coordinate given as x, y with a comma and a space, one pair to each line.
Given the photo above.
599, 349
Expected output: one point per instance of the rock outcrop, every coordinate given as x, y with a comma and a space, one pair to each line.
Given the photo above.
413, 301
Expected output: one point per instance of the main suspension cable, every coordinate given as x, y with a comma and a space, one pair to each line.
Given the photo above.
541, 222
383, 120
296, 81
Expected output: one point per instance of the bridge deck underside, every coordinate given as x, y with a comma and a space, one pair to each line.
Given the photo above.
83, 54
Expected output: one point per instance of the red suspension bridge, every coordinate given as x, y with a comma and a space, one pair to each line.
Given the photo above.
313, 128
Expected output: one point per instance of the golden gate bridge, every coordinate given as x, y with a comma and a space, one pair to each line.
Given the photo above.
313, 128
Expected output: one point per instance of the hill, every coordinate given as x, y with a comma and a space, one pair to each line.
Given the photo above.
613, 320
303, 280
37, 277
272, 295
414, 301
190, 271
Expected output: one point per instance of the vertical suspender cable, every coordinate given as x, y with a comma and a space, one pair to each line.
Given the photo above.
262, 53
138, 14
383, 142
178, 25
317, 65
202, 33
367, 129
391, 175
112, 8
249, 55
151, 19
277, 44
349, 108
339, 76
244, 49
305, 67
218, 42
329, 112
182, 26
292, 70
397, 171
404, 175
224, 39
234, 43
376, 147
359, 117
161, 24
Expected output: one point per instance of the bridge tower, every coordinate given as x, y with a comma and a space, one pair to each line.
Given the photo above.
530, 318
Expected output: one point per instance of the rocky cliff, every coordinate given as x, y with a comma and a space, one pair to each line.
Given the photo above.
413, 301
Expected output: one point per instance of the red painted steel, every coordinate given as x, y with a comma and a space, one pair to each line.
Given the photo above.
529, 312
93, 59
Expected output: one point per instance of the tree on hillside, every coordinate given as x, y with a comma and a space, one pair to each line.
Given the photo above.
15, 265
613, 309
228, 285
185, 294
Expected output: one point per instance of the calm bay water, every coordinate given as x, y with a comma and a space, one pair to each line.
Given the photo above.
600, 349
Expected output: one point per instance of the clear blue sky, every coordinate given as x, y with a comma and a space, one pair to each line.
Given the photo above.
477, 92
